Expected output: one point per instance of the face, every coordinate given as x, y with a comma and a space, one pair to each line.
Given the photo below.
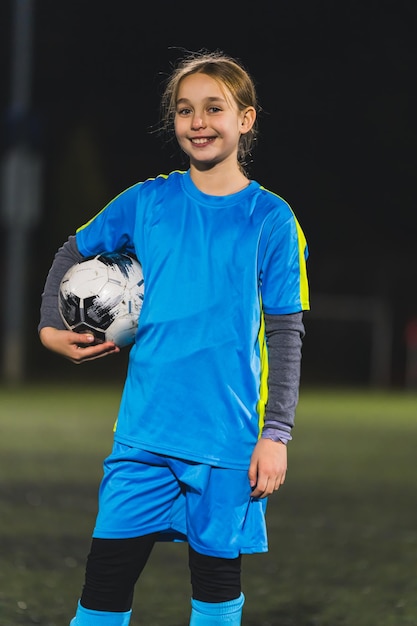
208, 123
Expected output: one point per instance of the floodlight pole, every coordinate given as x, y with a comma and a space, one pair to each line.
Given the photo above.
20, 187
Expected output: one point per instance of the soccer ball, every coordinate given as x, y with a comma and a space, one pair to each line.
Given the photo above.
103, 294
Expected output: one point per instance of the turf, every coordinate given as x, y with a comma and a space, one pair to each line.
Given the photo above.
342, 530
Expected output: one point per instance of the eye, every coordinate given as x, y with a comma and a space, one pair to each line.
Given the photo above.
183, 111
214, 109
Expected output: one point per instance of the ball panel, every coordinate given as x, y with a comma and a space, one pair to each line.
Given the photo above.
88, 279
70, 308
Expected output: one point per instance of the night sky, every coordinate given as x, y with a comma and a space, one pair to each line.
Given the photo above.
337, 86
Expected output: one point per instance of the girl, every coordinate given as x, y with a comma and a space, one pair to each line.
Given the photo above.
212, 383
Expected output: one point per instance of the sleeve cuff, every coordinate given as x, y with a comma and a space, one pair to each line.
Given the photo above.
276, 434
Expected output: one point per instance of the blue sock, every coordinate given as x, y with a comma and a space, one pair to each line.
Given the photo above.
88, 617
217, 613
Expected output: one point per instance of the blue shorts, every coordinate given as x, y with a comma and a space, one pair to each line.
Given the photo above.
210, 507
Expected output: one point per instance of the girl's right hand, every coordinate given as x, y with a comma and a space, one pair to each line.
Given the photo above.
77, 347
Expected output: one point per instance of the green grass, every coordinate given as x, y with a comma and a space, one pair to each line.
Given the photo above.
342, 530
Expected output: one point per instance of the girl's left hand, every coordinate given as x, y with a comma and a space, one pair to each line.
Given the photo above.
268, 467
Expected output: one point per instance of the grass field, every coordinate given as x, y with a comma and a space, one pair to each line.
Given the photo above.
343, 529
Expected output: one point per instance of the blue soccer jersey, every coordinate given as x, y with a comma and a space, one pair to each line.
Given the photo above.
196, 381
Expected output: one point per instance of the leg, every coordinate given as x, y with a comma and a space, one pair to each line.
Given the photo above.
224, 528
216, 587
113, 567
128, 506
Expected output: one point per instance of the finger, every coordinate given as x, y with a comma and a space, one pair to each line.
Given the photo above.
279, 481
259, 495
252, 475
80, 354
84, 339
262, 489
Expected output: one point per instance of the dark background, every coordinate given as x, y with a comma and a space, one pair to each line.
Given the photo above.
337, 85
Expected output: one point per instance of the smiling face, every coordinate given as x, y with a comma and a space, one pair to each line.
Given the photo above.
208, 123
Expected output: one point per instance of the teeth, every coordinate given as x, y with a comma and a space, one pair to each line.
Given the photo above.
202, 140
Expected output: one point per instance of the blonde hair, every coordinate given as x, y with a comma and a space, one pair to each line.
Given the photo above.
228, 72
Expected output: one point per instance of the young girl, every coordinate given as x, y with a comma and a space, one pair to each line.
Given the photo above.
212, 383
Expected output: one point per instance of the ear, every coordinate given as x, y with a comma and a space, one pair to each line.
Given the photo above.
247, 119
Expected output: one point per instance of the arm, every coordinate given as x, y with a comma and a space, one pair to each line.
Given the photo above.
65, 258
268, 465
52, 333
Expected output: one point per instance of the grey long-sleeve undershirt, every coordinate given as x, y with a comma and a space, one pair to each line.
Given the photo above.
284, 335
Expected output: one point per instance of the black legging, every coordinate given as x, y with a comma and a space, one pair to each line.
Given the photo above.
114, 566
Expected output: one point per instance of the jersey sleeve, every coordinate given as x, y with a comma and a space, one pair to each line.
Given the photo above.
113, 227
284, 284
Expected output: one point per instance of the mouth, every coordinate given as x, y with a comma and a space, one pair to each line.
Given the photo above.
201, 141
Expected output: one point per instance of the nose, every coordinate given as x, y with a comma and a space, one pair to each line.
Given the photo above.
198, 121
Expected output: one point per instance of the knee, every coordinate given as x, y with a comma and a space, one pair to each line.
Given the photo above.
113, 567
214, 579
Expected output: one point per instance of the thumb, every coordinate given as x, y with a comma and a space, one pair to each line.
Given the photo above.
85, 338
252, 474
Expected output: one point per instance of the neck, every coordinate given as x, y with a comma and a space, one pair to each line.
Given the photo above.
218, 181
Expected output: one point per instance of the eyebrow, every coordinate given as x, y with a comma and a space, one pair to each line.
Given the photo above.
209, 99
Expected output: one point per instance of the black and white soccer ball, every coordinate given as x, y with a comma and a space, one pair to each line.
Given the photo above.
103, 295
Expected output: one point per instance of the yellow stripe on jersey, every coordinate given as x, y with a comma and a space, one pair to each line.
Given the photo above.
302, 245
263, 385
